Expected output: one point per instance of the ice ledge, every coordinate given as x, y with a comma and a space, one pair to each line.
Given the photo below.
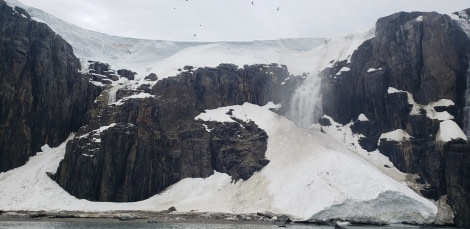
389, 207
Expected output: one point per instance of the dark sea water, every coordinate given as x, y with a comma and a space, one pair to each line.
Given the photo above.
87, 225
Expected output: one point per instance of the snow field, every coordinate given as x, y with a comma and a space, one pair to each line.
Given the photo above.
309, 175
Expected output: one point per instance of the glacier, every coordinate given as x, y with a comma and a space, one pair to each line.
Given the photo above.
311, 176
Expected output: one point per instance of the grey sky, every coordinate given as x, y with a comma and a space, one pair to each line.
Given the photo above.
211, 20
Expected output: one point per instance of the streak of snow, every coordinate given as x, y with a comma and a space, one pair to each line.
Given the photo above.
98, 131
373, 69
207, 128
398, 135
138, 96
343, 69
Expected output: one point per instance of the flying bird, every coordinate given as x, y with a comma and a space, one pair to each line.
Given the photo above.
278, 8
252, 3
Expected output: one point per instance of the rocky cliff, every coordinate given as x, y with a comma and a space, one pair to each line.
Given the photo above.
410, 77
137, 147
404, 93
43, 97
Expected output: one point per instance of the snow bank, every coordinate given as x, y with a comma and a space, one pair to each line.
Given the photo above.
449, 130
310, 177
398, 135
309, 174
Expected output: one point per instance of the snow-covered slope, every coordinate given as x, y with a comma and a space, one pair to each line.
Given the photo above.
310, 176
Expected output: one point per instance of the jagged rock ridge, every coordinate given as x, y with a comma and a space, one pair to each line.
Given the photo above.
397, 80
43, 97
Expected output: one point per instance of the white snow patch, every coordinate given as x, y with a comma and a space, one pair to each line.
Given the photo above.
397, 135
392, 90
141, 95
449, 130
373, 69
420, 18
362, 117
442, 103
343, 69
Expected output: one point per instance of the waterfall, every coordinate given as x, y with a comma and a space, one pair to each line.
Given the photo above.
305, 103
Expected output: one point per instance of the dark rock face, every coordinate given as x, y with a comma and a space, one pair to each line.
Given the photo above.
127, 73
131, 151
427, 55
43, 97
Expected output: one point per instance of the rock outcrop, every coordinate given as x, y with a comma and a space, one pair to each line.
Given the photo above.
411, 76
43, 96
137, 147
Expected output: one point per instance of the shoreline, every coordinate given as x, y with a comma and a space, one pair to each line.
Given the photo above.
173, 217
143, 217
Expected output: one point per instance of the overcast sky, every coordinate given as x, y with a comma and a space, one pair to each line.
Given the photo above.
212, 20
